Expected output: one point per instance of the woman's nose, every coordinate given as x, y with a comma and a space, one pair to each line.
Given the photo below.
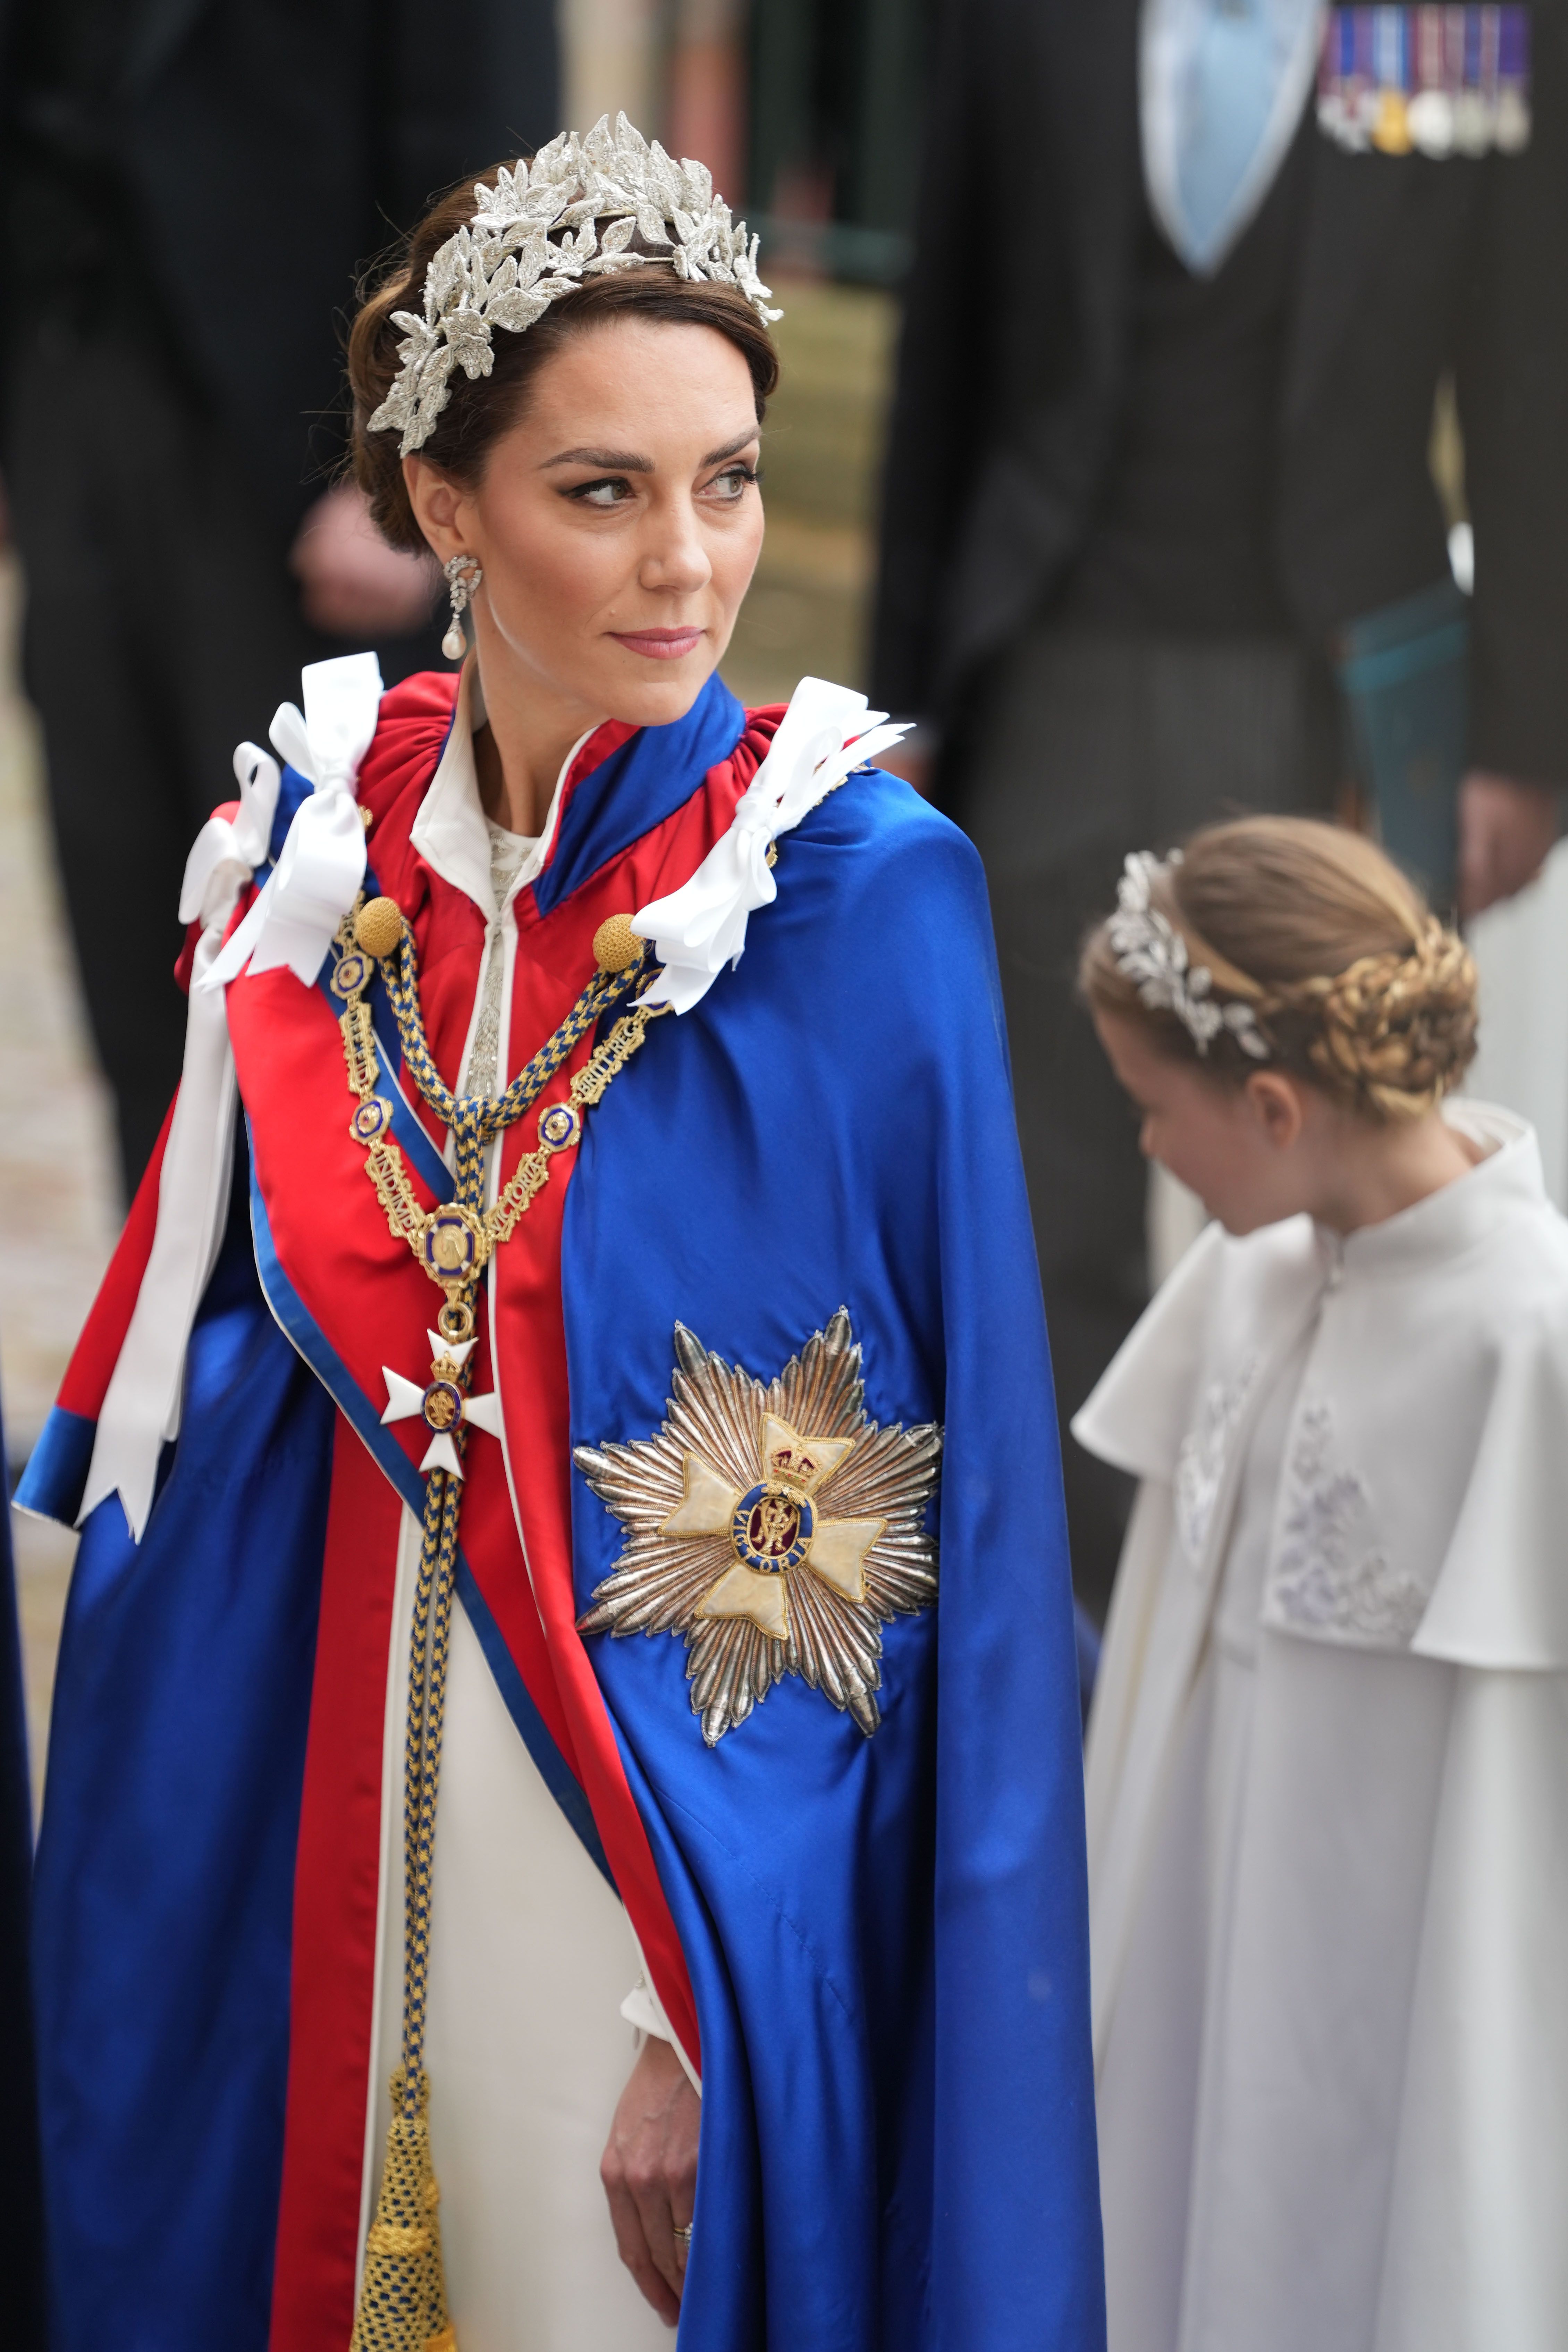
675, 561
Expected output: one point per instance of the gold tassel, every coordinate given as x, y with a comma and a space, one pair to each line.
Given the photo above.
402, 2298
402, 2293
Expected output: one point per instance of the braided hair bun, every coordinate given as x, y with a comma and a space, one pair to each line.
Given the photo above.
1353, 984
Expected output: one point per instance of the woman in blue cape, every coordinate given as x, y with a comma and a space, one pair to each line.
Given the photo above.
579, 1509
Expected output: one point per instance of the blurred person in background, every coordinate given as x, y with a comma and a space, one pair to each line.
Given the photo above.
188, 188
1159, 465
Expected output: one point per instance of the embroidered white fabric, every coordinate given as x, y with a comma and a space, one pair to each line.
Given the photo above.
1334, 1575
507, 853
1200, 1465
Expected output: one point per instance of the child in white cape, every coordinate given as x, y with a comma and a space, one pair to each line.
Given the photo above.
1328, 1759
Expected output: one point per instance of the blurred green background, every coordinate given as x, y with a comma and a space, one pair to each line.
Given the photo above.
808, 612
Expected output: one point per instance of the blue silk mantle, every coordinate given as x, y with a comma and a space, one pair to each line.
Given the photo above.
886, 1938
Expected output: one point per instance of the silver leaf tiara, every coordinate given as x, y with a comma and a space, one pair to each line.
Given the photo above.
1151, 952
505, 268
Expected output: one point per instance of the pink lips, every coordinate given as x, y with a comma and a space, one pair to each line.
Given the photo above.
658, 645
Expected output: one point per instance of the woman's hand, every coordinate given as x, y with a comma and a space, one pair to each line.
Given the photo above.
1507, 829
352, 583
650, 2174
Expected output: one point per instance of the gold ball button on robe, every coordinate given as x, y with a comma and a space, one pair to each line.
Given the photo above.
378, 927
616, 946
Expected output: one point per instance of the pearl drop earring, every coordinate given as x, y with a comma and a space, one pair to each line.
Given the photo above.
463, 577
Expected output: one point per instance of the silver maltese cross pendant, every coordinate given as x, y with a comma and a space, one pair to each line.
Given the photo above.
441, 1403
775, 1528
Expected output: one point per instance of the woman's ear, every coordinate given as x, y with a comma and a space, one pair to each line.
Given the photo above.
1276, 1103
436, 502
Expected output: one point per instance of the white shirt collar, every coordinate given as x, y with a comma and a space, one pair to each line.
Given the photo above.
1463, 1212
450, 832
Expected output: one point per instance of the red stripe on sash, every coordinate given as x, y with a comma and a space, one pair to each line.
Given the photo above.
335, 1894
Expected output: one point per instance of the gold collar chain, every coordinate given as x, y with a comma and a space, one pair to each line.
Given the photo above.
455, 1242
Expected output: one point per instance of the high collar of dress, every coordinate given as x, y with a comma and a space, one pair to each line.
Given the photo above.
1459, 1215
450, 833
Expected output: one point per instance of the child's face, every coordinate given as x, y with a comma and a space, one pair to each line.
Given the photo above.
1244, 1151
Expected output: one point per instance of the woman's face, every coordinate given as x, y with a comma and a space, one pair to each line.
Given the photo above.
618, 522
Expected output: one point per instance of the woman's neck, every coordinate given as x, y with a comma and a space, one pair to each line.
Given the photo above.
520, 749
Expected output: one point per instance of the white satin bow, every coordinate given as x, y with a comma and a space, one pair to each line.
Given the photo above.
322, 862
701, 927
228, 850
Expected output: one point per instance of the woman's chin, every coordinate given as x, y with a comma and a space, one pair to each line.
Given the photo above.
641, 692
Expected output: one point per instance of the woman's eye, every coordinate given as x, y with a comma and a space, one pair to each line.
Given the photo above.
611, 492
734, 482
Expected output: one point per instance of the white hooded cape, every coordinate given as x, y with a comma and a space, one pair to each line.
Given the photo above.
1328, 1786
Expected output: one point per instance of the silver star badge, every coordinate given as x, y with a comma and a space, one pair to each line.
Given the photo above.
776, 1529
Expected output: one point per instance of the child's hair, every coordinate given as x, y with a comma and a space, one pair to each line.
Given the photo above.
1317, 955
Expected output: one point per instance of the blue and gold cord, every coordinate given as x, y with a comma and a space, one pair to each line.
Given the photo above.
403, 2295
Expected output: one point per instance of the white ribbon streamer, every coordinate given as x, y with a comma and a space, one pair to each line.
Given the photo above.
826, 731
322, 862
142, 1408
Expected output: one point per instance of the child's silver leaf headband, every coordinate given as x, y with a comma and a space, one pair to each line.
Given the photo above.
506, 268
1152, 952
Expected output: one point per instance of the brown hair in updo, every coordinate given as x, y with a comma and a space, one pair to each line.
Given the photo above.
479, 411
1355, 986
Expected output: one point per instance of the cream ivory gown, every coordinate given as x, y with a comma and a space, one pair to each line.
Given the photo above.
1328, 1786
531, 1955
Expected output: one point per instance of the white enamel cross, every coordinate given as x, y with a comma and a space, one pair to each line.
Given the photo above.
406, 1401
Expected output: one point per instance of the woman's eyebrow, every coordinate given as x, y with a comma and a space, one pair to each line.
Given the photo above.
613, 461
627, 461
733, 448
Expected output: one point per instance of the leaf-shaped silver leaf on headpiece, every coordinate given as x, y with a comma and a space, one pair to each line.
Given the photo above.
1152, 952
544, 226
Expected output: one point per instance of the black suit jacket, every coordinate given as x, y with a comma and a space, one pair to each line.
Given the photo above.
271, 147
1016, 354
